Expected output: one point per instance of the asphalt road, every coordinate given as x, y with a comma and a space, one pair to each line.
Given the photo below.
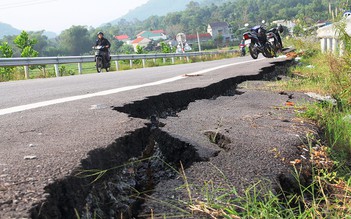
58, 121
32, 91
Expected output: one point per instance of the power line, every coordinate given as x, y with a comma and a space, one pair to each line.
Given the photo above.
24, 3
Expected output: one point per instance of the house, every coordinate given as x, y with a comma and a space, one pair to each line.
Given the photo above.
123, 38
203, 37
153, 35
140, 41
220, 29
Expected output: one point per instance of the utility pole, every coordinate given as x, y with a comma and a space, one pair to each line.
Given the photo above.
198, 40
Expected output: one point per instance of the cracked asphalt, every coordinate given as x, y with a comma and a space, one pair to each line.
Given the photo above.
262, 137
58, 137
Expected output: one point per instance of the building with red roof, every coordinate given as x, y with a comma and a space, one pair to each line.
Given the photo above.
122, 38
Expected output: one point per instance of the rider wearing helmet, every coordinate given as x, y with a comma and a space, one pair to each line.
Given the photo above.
102, 41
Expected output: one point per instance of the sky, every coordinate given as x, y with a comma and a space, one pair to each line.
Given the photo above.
58, 15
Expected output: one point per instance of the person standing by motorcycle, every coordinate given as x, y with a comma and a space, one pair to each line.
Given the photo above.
242, 46
102, 41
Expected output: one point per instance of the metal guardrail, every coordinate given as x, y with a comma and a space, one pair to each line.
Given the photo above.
56, 61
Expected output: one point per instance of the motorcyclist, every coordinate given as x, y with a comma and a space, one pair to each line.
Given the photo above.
102, 41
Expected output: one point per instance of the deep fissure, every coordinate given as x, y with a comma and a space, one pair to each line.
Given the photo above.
138, 161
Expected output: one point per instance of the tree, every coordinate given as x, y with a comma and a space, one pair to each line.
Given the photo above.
126, 49
165, 48
219, 41
22, 41
6, 52
75, 41
42, 42
151, 46
25, 44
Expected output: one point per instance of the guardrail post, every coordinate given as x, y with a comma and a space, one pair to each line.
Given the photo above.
80, 68
323, 45
143, 61
26, 71
131, 63
172, 60
329, 44
342, 47
57, 70
154, 61
117, 65
164, 60
187, 59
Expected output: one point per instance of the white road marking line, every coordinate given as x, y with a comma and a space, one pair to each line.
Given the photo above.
111, 91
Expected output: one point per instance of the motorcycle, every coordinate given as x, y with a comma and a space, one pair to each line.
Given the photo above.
257, 41
100, 59
273, 36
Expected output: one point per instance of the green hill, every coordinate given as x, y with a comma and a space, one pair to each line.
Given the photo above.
161, 8
6, 30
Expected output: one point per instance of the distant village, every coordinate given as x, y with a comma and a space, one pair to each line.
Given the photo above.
215, 31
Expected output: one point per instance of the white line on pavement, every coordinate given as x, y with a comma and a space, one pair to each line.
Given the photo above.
111, 91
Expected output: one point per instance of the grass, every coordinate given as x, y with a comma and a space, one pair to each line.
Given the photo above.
327, 196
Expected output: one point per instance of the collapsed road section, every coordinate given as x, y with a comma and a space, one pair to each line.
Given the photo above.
118, 181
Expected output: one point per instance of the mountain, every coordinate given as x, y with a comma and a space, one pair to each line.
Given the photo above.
155, 7
6, 29
50, 34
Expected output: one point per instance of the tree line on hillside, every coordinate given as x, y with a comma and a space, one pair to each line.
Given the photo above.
78, 40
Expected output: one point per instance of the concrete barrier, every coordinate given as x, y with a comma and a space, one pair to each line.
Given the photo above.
330, 38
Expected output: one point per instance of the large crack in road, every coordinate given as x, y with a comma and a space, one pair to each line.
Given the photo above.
116, 181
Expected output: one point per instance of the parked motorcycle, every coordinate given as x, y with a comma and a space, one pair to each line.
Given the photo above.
100, 59
273, 36
258, 43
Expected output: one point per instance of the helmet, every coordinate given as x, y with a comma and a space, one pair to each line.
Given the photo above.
280, 28
100, 33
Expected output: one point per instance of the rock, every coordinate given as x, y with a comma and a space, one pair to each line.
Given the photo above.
30, 157
32, 145
322, 98
98, 107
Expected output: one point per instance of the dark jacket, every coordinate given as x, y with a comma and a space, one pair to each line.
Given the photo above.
103, 42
